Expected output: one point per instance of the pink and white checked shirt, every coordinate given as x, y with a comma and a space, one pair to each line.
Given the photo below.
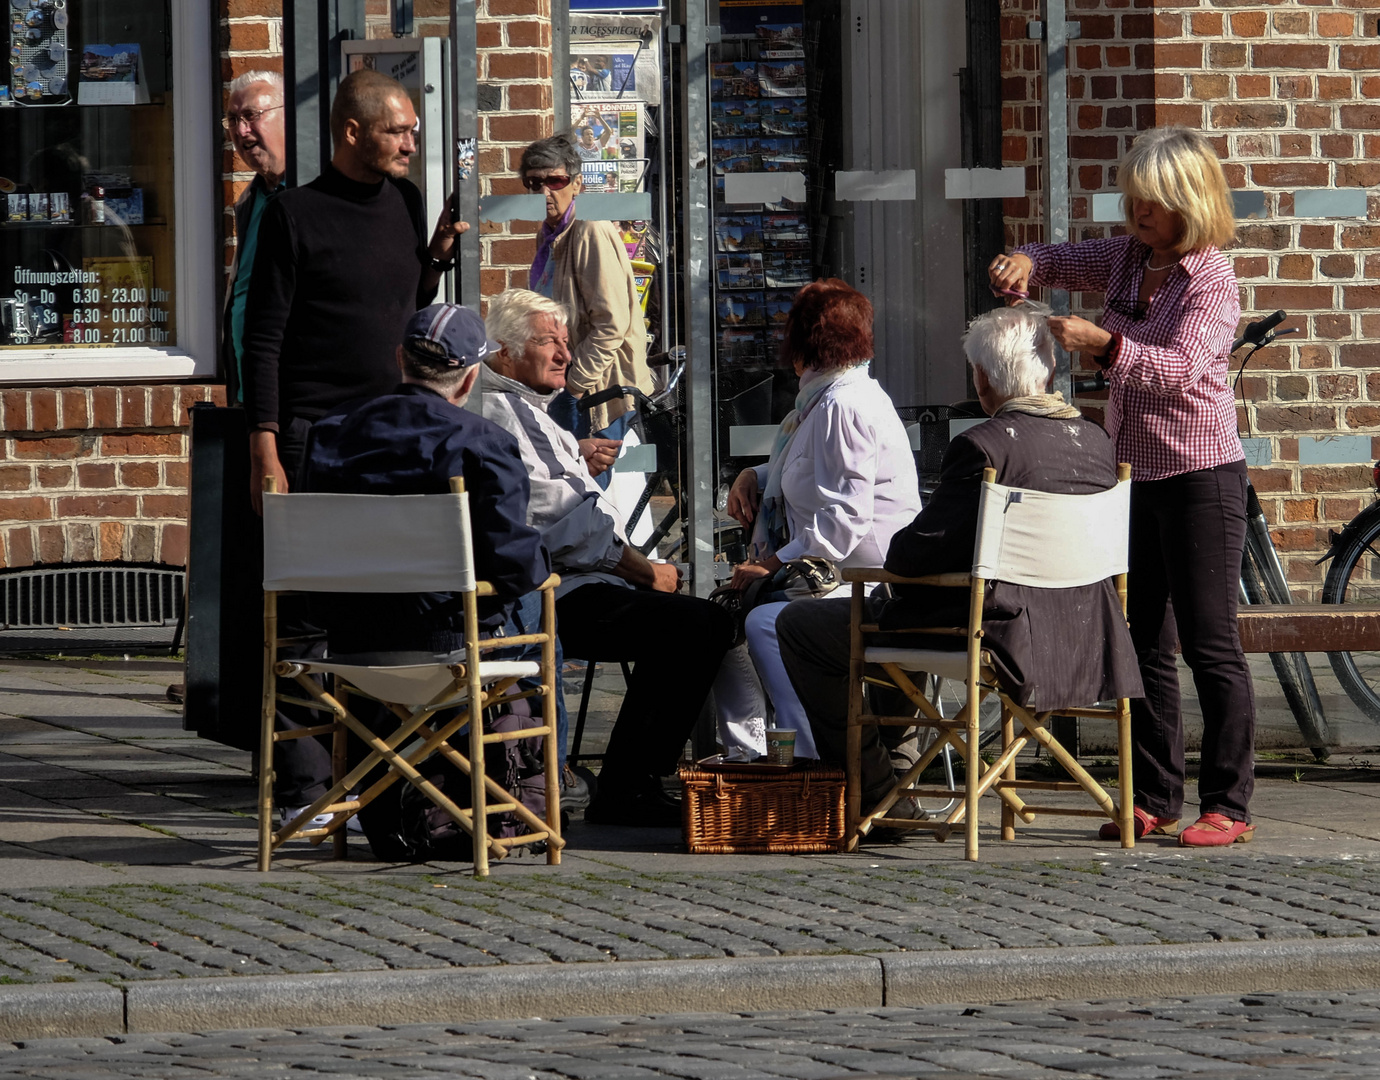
1171, 409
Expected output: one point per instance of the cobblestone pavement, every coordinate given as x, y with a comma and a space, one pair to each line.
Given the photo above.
1224, 1037
413, 922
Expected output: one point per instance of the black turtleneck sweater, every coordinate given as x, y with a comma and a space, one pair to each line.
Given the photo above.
337, 275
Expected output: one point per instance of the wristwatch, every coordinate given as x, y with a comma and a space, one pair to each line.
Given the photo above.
440, 265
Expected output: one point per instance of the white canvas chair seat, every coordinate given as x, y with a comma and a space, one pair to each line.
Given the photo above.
1036, 539
362, 544
418, 684
945, 663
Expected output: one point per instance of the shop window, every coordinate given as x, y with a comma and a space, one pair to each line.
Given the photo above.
92, 274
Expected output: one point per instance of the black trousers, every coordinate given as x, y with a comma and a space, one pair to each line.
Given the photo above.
301, 767
675, 643
1187, 533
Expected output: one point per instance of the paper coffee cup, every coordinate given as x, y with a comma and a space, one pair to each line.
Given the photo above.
780, 746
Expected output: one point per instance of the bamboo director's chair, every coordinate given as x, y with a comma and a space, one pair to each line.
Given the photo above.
1031, 538
399, 544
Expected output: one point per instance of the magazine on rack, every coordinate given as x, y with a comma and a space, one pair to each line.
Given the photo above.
614, 57
617, 130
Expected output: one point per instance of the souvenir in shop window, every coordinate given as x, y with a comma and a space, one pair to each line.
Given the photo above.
86, 232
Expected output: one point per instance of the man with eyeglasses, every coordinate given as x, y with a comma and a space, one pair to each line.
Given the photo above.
341, 264
254, 122
584, 265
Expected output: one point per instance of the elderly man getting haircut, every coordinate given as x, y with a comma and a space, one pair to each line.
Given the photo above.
612, 604
1051, 647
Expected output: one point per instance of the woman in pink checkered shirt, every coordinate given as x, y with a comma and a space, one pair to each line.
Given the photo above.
1170, 314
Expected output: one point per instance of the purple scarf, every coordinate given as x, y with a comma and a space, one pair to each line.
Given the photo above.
541, 277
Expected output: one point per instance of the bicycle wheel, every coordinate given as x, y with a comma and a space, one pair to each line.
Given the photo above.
1354, 578
1291, 669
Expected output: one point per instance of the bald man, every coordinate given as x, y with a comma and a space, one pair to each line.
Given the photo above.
342, 264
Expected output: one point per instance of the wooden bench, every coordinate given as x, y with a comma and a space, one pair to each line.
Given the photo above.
1285, 628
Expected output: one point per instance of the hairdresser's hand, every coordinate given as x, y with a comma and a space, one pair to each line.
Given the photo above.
1010, 276
1079, 335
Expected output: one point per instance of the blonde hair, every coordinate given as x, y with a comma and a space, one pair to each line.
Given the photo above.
1177, 168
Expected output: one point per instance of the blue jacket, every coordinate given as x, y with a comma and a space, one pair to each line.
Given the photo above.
411, 442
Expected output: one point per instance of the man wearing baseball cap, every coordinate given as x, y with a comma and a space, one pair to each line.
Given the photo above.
411, 442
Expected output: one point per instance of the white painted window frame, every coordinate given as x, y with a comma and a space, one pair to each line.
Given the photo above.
198, 299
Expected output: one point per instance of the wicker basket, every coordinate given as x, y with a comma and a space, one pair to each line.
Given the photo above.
740, 812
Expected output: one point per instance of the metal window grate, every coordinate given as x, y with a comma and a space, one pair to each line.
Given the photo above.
90, 596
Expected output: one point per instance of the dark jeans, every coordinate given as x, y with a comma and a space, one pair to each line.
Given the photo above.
814, 648
1187, 534
675, 643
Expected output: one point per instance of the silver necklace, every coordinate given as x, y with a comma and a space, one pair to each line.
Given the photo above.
1172, 263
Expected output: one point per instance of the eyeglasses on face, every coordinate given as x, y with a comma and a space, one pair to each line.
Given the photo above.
1135, 310
551, 183
251, 117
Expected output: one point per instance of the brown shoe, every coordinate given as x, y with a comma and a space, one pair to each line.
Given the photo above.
1144, 823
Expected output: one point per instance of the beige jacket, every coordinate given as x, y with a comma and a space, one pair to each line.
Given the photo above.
593, 278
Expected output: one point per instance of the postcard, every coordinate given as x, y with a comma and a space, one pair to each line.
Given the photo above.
738, 232
781, 78
787, 151
739, 271
741, 309
736, 80
785, 270
781, 40
741, 346
776, 306
733, 119
785, 116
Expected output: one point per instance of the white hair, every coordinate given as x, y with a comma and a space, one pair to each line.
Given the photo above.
509, 321
1013, 347
249, 78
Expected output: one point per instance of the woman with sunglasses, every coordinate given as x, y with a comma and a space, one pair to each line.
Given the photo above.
584, 265
1171, 311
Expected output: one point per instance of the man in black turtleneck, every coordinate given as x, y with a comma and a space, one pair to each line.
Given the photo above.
342, 264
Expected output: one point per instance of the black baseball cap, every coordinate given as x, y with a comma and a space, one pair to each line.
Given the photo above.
455, 335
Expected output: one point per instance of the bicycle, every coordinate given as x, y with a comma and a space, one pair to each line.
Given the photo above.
1262, 576
1352, 580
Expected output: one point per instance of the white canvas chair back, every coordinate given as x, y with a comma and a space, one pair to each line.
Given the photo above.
367, 543
1050, 541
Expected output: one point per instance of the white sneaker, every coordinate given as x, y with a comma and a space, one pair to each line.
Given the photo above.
290, 813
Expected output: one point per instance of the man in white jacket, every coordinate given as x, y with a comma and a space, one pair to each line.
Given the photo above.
613, 604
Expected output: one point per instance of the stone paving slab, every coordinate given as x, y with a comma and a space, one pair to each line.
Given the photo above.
415, 921
1228, 1037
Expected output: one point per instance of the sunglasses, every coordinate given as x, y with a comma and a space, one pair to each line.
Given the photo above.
1135, 310
551, 183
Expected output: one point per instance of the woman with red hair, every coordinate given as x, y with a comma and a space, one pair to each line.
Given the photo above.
840, 482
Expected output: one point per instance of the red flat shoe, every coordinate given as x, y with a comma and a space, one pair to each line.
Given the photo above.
1216, 830
1145, 823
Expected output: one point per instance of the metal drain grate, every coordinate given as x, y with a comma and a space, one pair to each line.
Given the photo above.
90, 596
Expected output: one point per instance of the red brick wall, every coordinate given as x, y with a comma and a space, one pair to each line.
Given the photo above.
1288, 95
514, 60
95, 474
